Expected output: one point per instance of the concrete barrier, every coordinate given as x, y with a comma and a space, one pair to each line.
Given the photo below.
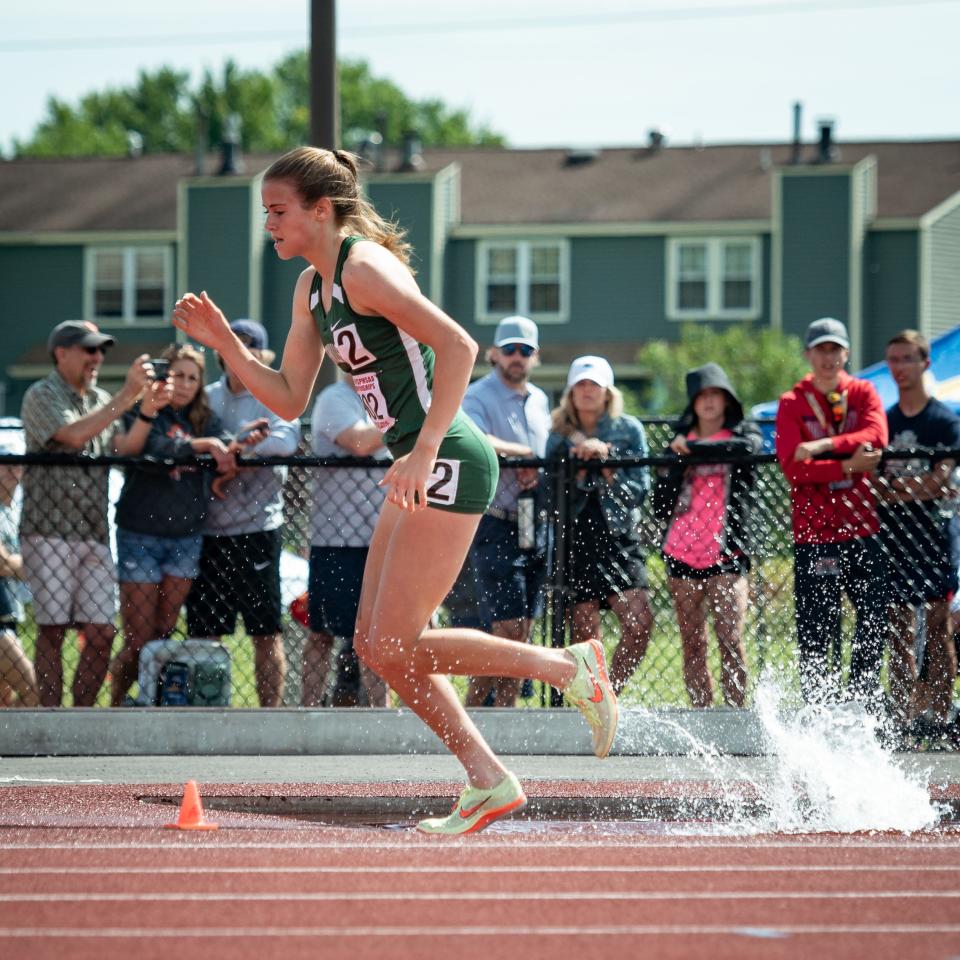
212, 731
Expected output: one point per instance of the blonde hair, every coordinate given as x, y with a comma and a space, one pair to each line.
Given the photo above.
564, 419
316, 173
198, 409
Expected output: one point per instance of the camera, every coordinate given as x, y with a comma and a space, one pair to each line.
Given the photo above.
161, 368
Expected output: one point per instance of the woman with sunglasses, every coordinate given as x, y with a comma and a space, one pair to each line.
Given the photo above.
410, 364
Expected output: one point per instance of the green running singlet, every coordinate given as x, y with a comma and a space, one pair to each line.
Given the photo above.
393, 376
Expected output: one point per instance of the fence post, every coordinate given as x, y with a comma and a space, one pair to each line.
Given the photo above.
561, 519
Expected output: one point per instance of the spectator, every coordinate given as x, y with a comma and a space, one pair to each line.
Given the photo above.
916, 535
706, 551
607, 564
18, 682
509, 569
240, 561
346, 503
63, 527
161, 510
835, 520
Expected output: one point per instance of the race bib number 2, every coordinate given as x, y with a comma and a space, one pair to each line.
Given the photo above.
444, 482
368, 389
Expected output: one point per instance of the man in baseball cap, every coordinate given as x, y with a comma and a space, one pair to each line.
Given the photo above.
831, 429
509, 561
240, 562
63, 525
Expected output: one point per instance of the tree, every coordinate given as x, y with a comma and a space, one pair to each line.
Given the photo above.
274, 108
760, 361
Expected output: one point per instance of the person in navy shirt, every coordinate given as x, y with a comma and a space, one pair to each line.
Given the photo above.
915, 533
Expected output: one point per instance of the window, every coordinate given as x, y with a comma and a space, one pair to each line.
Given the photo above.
713, 278
522, 276
128, 284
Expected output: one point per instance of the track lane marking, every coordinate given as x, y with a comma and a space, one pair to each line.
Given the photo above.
500, 868
180, 932
549, 896
610, 841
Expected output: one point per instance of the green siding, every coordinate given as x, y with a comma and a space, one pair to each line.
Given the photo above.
943, 297
617, 290
218, 244
816, 249
891, 265
411, 205
42, 286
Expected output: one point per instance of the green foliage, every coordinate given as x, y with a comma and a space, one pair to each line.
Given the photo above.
760, 361
274, 108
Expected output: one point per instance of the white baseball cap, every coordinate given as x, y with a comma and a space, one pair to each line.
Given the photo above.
590, 368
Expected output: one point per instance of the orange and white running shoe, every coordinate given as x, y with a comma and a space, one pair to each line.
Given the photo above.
478, 808
591, 693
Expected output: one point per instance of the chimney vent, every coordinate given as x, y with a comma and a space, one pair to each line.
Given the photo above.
826, 149
797, 116
412, 156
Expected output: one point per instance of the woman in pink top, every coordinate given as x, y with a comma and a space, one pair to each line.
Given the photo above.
705, 505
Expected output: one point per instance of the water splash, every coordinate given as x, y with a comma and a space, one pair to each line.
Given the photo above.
830, 772
825, 771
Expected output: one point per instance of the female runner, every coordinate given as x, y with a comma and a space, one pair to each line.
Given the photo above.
410, 364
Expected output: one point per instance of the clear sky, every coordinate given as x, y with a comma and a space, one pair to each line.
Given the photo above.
542, 72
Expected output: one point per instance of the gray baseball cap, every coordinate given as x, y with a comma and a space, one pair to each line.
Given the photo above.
827, 330
517, 330
77, 333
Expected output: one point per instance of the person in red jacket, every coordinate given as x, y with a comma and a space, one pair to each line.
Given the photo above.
826, 416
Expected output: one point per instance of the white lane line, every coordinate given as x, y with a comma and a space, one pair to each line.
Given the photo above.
543, 896
608, 841
180, 932
28, 780
107, 870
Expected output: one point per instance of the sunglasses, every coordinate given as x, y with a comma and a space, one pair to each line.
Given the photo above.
509, 349
93, 350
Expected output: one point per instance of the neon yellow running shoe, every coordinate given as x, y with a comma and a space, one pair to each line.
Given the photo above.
590, 692
478, 808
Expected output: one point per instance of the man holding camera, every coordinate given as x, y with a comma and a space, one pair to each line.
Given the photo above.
240, 563
63, 527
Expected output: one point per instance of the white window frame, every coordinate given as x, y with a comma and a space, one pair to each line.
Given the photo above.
714, 308
129, 281
523, 247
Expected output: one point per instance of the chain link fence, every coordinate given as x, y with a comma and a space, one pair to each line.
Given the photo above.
327, 504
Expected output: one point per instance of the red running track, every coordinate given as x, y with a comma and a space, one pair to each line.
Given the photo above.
263, 888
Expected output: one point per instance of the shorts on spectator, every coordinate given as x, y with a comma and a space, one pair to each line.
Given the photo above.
737, 565
510, 580
143, 558
72, 581
336, 576
238, 575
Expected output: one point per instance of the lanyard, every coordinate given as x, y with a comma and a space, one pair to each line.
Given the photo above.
838, 408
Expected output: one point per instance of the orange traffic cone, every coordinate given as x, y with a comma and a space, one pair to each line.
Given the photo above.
191, 811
